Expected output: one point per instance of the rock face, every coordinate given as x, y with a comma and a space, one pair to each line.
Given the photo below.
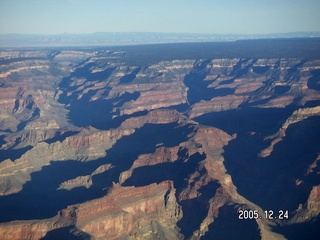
297, 116
143, 213
97, 144
87, 145
130, 211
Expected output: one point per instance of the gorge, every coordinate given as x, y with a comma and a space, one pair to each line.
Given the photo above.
163, 141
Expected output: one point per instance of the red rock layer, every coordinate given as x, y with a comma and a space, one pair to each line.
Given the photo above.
159, 116
124, 212
89, 144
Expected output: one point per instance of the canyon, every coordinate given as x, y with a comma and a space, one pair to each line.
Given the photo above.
163, 141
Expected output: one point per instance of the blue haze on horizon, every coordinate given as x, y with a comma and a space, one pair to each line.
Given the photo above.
168, 16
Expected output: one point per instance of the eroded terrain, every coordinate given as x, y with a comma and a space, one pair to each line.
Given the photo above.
103, 143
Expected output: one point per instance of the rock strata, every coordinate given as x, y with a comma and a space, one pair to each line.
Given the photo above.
156, 147
143, 213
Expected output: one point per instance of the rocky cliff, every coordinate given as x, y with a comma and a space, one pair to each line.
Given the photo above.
117, 143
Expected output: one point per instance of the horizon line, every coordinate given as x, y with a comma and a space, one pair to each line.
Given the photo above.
178, 33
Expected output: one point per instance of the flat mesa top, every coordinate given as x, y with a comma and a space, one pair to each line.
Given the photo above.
306, 48
145, 54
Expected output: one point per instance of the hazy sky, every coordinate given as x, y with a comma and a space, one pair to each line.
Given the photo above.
174, 16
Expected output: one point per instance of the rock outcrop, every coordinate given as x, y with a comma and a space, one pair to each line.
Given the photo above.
142, 213
87, 145
142, 151
297, 116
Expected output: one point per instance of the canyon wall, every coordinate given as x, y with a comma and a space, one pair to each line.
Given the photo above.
97, 146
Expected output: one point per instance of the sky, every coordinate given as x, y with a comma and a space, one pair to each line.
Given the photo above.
170, 16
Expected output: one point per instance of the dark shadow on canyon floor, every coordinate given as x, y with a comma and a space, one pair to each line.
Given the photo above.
195, 210
70, 233
228, 226
40, 198
270, 182
309, 230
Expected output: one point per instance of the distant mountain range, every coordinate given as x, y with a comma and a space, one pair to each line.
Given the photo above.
131, 38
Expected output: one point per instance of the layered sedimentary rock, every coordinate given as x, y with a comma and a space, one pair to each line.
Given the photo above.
87, 145
86, 180
142, 213
157, 97
216, 104
297, 116
162, 155
277, 82
159, 116
131, 211
154, 151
